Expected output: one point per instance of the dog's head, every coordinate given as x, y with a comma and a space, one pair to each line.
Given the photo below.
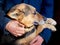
25, 14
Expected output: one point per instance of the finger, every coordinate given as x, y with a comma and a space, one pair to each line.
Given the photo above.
20, 32
16, 35
34, 40
21, 25
21, 29
36, 43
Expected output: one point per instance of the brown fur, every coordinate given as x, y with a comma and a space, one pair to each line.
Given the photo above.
24, 14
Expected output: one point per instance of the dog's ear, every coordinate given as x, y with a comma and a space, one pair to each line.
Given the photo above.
13, 12
11, 15
16, 11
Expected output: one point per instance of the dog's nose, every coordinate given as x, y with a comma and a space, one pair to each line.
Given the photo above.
36, 23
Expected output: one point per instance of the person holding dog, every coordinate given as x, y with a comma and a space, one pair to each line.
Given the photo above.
45, 7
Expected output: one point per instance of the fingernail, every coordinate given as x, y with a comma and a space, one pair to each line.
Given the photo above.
19, 34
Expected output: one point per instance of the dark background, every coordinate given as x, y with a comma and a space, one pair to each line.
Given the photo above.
55, 39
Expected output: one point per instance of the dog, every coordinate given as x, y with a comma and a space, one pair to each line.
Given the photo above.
33, 22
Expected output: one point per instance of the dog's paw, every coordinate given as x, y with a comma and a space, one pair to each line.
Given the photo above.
52, 28
51, 21
49, 26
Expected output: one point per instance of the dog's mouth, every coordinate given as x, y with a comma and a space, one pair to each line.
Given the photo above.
28, 27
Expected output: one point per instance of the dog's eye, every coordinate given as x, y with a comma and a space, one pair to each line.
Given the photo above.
15, 14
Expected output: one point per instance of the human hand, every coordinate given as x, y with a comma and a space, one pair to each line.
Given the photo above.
15, 28
37, 40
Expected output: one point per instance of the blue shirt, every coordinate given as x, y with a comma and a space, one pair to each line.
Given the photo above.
45, 7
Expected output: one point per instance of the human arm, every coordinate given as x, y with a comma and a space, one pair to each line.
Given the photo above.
3, 19
8, 25
47, 11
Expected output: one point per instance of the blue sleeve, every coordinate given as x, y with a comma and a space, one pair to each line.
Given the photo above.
46, 34
3, 19
47, 8
47, 11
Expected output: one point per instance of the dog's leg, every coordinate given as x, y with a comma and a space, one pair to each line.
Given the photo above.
41, 27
